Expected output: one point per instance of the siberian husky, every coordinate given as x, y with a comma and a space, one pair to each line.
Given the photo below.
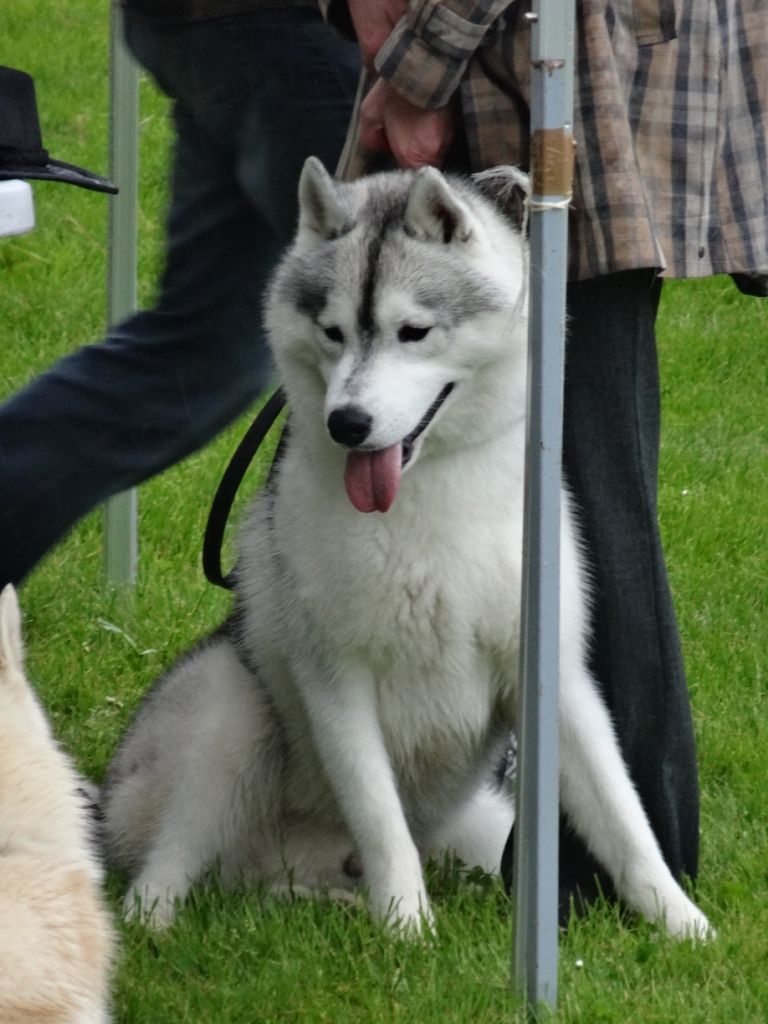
55, 934
351, 712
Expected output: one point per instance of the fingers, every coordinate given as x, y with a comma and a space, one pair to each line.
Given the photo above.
421, 139
373, 21
415, 136
373, 134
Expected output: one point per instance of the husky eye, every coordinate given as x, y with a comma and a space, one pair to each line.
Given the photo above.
333, 334
410, 333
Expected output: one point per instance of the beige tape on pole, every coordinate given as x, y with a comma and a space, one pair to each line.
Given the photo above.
552, 151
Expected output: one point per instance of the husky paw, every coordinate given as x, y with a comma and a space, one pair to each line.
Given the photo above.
413, 924
152, 905
688, 922
289, 890
662, 900
405, 915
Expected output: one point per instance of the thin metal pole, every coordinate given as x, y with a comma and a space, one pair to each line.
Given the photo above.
120, 529
536, 831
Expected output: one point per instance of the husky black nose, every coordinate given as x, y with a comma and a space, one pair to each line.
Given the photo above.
349, 425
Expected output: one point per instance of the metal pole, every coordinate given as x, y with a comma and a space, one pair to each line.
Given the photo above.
120, 531
536, 830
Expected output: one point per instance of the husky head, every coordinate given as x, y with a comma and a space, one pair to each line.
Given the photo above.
401, 292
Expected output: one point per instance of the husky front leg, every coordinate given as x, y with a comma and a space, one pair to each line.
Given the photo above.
342, 708
602, 804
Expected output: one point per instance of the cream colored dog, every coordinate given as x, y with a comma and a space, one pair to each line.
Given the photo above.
55, 934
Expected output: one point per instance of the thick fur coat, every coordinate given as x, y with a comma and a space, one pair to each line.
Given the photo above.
55, 934
358, 702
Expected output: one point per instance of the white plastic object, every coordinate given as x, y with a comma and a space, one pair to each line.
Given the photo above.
17, 209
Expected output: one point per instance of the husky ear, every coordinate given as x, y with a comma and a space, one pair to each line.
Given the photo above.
434, 211
509, 188
322, 210
11, 647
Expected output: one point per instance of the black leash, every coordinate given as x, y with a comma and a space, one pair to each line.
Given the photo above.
227, 489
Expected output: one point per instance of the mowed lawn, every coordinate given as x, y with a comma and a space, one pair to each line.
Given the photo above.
236, 958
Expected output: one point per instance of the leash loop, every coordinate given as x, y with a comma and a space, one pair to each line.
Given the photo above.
221, 505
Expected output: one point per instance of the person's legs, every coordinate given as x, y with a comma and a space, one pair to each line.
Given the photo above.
610, 454
166, 380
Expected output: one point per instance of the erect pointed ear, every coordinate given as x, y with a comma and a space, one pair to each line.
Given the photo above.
322, 210
11, 647
434, 210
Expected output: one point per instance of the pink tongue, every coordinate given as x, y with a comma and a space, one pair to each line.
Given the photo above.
372, 479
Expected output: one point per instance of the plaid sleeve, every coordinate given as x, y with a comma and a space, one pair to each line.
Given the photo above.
427, 52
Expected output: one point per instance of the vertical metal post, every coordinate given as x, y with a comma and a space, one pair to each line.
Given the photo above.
120, 530
536, 832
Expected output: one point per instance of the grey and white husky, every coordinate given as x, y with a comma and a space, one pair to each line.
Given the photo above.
347, 720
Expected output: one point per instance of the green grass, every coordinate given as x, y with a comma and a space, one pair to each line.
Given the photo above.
244, 958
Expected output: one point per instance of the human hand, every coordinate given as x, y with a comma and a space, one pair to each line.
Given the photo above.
414, 135
373, 21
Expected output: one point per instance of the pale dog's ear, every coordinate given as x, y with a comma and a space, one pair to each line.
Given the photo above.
435, 212
323, 214
11, 646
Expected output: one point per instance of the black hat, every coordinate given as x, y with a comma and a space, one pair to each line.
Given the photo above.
21, 145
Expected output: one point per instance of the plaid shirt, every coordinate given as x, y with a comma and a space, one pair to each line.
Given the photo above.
670, 120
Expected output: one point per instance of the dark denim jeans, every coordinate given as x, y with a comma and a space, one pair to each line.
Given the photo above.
254, 95
610, 453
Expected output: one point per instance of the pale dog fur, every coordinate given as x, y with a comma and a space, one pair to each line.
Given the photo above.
386, 645
55, 934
